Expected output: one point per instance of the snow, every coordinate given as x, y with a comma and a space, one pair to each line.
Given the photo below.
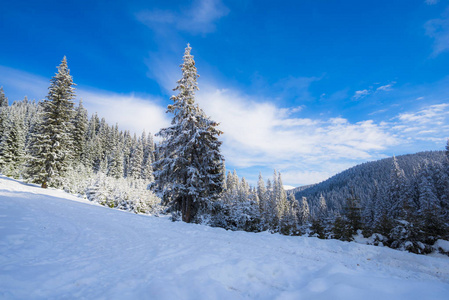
443, 245
288, 187
57, 246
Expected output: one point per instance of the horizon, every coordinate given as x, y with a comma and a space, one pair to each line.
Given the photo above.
306, 88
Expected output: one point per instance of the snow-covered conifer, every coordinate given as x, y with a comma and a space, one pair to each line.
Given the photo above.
136, 161
52, 146
12, 144
3, 111
397, 190
148, 159
189, 172
3, 99
304, 211
80, 123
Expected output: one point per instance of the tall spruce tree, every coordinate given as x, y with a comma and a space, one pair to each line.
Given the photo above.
136, 160
3, 99
148, 159
3, 111
80, 123
189, 172
13, 144
52, 144
397, 190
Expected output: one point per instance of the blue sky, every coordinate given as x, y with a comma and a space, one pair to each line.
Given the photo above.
307, 87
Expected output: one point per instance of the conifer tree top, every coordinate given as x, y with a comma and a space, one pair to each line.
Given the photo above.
3, 99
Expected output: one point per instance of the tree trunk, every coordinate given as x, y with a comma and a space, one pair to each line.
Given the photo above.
186, 209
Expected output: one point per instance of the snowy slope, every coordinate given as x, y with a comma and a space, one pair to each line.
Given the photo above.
56, 246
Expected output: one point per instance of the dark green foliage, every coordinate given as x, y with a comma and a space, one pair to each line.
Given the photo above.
52, 144
346, 226
3, 111
80, 123
342, 229
317, 228
189, 172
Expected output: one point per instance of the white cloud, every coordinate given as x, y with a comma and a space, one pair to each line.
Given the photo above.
429, 124
199, 18
262, 134
308, 150
163, 70
438, 29
366, 92
130, 112
433, 115
385, 88
360, 94
18, 84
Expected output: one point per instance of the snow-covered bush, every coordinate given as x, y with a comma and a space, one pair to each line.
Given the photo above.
123, 193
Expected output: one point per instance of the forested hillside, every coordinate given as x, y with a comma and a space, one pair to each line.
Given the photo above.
368, 179
403, 200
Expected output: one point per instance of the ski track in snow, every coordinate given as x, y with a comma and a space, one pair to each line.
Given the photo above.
56, 246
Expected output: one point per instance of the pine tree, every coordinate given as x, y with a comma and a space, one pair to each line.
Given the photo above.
304, 211
353, 212
136, 160
51, 146
148, 159
80, 123
127, 146
397, 191
322, 207
261, 189
282, 197
189, 173
3, 111
432, 224
115, 166
3, 99
12, 144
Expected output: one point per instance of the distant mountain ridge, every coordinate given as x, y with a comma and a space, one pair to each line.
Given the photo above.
364, 179
300, 188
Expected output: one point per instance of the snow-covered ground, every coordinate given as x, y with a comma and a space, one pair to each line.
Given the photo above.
56, 246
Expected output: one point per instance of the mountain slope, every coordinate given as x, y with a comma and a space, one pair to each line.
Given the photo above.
363, 179
56, 246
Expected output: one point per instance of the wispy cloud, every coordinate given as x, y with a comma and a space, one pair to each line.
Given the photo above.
18, 84
372, 90
129, 111
433, 116
438, 29
385, 88
360, 94
432, 2
261, 134
199, 18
